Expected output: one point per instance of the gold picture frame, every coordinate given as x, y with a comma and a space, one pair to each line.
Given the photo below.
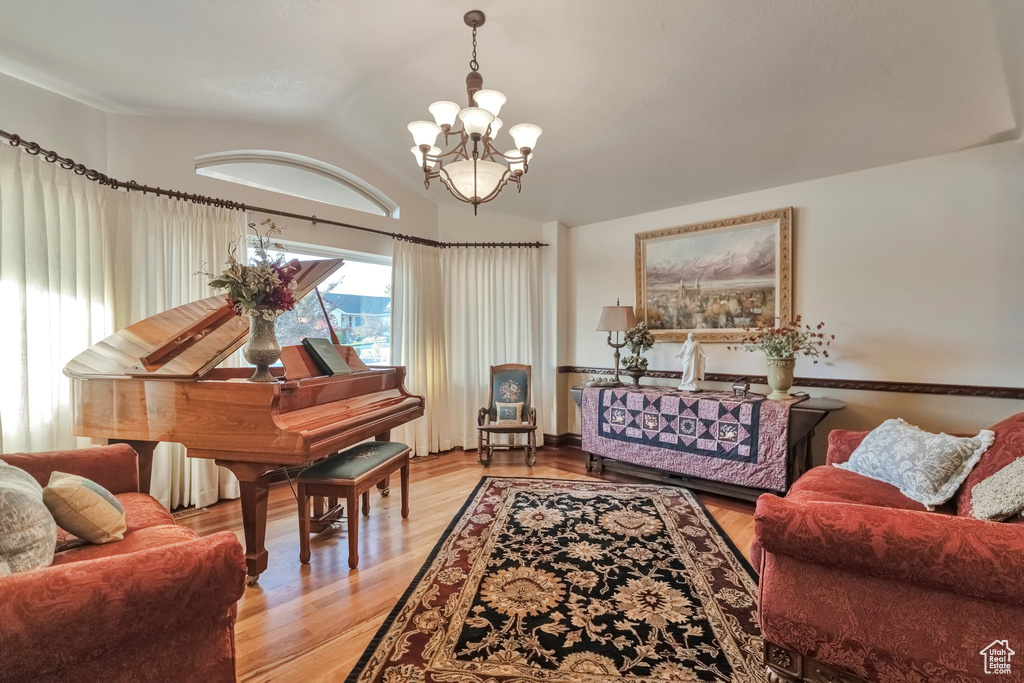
745, 263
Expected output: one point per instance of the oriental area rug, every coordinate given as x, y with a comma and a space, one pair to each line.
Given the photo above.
559, 581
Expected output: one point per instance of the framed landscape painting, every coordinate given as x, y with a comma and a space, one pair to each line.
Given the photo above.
714, 279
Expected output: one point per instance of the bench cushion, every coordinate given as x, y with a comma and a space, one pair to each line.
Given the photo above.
353, 462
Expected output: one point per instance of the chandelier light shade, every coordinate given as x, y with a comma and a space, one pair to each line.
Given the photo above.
445, 112
525, 135
475, 120
477, 180
419, 155
472, 169
516, 165
491, 100
424, 133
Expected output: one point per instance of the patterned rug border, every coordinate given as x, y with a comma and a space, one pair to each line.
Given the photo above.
397, 609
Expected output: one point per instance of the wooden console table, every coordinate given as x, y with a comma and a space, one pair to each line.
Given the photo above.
804, 417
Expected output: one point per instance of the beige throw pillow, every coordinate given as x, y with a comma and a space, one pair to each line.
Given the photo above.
84, 508
508, 413
28, 533
1001, 496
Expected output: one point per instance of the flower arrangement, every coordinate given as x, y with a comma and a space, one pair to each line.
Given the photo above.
265, 286
787, 340
638, 340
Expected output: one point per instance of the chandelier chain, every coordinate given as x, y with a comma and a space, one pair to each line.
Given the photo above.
473, 64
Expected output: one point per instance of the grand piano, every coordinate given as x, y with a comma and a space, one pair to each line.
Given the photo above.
158, 380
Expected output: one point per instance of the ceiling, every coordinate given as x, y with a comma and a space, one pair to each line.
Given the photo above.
644, 104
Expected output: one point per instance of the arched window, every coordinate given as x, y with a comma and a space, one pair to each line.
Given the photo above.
298, 176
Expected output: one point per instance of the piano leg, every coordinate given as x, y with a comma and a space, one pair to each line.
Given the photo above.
384, 485
254, 486
145, 451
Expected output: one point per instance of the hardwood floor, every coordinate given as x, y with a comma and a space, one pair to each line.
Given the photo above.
312, 622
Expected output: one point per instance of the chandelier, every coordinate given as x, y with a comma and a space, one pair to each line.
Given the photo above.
473, 170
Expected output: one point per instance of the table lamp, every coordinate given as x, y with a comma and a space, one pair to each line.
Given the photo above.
616, 319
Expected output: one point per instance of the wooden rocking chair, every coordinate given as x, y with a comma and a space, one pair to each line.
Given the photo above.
510, 412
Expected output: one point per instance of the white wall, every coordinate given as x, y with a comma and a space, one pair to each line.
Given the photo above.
915, 267
161, 151
456, 222
56, 122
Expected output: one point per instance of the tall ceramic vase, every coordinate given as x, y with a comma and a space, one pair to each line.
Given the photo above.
780, 377
262, 349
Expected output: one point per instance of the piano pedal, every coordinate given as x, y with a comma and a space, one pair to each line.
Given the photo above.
326, 520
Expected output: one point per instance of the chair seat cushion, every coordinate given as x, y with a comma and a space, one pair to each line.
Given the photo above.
133, 542
834, 485
354, 462
507, 427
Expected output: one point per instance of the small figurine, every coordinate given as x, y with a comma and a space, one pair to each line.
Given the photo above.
693, 364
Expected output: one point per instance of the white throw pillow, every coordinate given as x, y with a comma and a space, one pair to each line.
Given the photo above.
28, 534
925, 467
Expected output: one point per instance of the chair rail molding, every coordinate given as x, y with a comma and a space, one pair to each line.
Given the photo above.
1015, 393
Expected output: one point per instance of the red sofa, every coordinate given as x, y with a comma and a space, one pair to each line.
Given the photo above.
859, 582
156, 606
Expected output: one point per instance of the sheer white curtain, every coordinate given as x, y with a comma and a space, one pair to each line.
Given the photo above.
492, 316
77, 262
56, 289
418, 343
162, 246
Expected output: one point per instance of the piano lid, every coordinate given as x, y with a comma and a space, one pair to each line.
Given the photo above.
183, 342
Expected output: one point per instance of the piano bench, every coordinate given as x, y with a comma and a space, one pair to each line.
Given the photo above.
349, 475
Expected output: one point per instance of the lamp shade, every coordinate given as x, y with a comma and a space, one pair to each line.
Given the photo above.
424, 132
495, 127
491, 100
444, 112
418, 154
475, 120
525, 135
473, 181
616, 319
516, 161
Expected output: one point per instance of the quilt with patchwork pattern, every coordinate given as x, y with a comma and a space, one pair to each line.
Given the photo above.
711, 435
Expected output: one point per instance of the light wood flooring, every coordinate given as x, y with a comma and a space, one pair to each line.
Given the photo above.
312, 622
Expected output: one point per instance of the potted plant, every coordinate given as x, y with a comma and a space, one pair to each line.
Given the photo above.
638, 340
261, 289
781, 345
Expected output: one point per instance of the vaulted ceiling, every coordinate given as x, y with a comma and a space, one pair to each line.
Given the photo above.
645, 104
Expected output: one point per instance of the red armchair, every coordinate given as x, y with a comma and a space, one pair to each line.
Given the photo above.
859, 582
158, 605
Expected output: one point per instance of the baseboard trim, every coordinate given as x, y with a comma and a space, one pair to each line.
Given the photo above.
563, 440
1015, 393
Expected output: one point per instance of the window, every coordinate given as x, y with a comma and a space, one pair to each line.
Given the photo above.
358, 302
298, 176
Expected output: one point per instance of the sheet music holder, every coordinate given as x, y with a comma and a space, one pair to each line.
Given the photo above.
325, 355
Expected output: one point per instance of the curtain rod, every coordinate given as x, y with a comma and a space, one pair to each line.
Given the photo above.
52, 157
